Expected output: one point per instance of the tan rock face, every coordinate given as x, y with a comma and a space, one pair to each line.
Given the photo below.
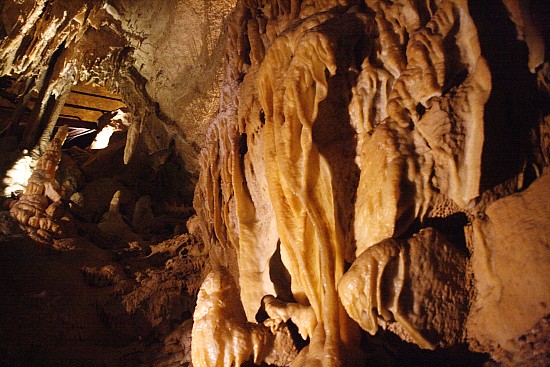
511, 261
221, 335
339, 131
420, 285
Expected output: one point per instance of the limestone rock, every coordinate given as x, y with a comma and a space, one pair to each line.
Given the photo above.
510, 264
40, 211
93, 200
420, 284
163, 33
349, 127
177, 347
221, 335
113, 229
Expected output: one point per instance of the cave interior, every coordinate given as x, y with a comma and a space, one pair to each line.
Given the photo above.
218, 183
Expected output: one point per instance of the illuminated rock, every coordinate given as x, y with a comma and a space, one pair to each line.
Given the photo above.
288, 152
511, 263
420, 284
40, 211
280, 312
221, 335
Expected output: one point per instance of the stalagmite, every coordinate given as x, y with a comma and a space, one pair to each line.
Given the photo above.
221, 335
113, 228
40, 211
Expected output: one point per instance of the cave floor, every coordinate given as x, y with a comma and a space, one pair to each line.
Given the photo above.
56, 311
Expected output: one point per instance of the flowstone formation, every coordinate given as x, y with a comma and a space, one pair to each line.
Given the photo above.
353, 135
221, 334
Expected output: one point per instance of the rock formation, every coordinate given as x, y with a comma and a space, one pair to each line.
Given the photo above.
40, 211
419, 285
221, 334
351, 128
361, 170
507, 243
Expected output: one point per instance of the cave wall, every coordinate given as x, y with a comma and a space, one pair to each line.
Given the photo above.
165, 59
177, 51
379, 134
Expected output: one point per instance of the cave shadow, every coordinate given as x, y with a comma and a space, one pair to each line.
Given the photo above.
386, 349
512, 109
332, 131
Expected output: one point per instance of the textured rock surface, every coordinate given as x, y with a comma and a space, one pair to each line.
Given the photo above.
511, 263
49, 311
419, 284
178, 53
221, 334
350, 128
87, 306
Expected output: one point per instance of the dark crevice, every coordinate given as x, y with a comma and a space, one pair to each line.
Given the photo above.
511, 111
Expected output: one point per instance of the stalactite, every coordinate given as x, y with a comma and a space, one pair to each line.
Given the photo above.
44, 94
31, 44
18, 33
60, 100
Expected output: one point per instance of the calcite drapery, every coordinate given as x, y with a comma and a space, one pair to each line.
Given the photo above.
432, 139
328, 107
399, 76
280, 312
405, 72
292, 82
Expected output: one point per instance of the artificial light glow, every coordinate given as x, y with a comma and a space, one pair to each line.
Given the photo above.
118, 122
17, 177
101, 141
